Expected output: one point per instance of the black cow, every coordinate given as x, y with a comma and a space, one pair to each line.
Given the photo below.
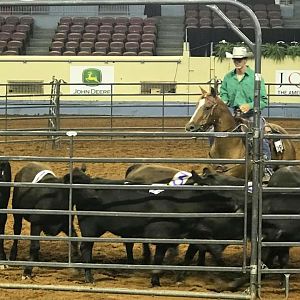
42, 198
5, 176
287, 176
169, 201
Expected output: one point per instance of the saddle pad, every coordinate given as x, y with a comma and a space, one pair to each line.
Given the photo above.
40, 175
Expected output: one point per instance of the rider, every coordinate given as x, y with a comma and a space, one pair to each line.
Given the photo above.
237, 91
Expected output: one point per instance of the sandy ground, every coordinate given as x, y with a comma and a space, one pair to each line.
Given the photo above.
115, 253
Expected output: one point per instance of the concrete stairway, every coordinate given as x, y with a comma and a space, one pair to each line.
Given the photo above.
295, 21
40, 42
170, 36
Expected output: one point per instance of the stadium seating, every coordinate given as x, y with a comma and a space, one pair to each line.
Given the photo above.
200, 16
104, 36
15, 34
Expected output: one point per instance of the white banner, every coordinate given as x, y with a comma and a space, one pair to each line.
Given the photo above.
92, 80
288, 76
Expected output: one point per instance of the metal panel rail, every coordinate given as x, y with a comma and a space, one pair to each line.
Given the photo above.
71, 160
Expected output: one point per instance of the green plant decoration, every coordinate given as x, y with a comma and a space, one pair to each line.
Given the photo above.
276, 51
221, 48
293, 51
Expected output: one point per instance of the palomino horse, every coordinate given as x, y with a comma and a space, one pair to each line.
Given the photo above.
212, 111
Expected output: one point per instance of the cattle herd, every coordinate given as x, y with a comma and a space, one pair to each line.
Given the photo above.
90, 197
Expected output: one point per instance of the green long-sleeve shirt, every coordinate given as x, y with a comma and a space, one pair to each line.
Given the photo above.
235, 92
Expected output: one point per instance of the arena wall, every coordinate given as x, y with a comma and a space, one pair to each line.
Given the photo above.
184, 72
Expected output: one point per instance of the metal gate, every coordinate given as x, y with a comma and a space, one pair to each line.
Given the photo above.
254, 269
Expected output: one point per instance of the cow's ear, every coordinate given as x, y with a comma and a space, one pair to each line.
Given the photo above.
83, 167
195, 176
66, 178
206, 171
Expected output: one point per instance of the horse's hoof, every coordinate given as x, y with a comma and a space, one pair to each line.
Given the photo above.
155, 282
2, 267
26, 277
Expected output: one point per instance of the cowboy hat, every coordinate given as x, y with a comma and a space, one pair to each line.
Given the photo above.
238, 52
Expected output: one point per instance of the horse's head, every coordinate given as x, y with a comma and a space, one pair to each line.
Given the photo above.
204, 115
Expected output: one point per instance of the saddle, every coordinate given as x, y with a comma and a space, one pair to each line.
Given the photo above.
243, 125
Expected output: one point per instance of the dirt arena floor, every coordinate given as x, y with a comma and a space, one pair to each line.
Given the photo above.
115, 253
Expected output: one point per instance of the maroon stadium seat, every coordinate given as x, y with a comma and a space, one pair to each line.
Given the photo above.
149, 29
75, 36
16, 45
276, 23
69, 53
122, 21
60, 36
72, 46
12, 20
148, 37
136, 21
145, 53
132, 47
205, 23
108, 21
101, 46
8, 28
86, 46
63, 28
135, 28
191, 14
134, 37
77, 28
65, 20
130, 53
106, 28
93, 21
79, 20
150, 21
147, 46
116, 47
118, 37
104, 36
84, 53
53, 52
191, 21
5, 36
57, 46
91, 28
89, 36
120, 28
113, 53
99, 53
10, 52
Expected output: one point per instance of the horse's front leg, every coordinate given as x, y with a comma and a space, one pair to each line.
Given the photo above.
159, 256
35, 230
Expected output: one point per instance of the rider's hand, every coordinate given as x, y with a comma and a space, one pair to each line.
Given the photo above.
245, 108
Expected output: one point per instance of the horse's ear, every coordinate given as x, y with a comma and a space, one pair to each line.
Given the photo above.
203, 91
213, 92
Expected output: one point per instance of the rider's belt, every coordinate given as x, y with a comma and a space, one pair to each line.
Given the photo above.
246, 115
